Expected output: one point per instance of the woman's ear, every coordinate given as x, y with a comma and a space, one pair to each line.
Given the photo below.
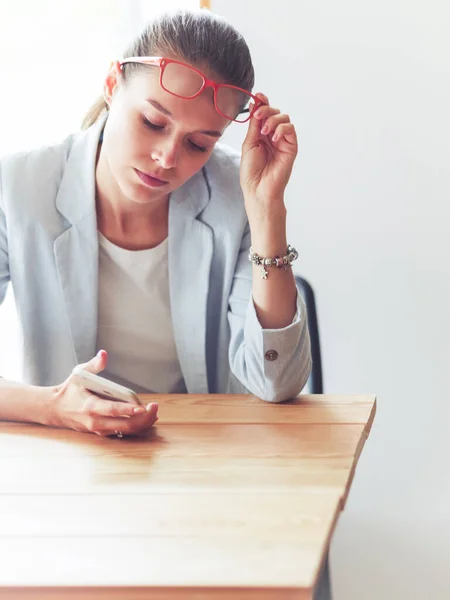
112, 81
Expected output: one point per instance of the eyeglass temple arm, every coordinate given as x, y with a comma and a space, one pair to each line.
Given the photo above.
151, 60
258, 103
247, 110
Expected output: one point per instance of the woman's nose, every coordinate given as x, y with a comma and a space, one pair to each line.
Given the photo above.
166, 154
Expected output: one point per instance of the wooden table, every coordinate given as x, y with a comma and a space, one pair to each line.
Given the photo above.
227, 497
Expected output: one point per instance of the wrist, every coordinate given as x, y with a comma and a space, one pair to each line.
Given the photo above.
268, 234
48, 402
280, 262
272, 206
275, 199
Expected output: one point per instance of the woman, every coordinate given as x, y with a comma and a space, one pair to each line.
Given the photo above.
133, 236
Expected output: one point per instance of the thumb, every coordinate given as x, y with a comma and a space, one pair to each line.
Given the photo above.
96, 364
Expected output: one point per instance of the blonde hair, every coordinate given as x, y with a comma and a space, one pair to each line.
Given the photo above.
93, 114
196, 36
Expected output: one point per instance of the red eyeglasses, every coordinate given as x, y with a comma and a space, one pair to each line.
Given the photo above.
185, 81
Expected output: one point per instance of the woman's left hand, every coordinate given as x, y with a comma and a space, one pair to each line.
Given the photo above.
268, 155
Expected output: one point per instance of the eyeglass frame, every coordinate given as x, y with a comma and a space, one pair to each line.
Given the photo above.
162, 62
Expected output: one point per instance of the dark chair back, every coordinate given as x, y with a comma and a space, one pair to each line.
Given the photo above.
315, 381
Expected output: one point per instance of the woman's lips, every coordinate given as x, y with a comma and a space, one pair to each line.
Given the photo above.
149, 180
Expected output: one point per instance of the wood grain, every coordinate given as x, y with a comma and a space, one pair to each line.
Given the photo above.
219, 408
125, 475
227, 496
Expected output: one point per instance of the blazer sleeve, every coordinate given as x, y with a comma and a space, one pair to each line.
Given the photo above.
4, 262
271, 380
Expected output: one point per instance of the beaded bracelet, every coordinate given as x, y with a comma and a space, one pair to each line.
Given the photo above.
284, 262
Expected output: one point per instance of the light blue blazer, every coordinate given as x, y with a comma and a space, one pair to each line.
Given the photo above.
49, 252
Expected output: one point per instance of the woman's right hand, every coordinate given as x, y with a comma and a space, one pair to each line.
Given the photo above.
74, 407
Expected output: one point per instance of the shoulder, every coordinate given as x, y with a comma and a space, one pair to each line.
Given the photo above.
226, 201
222, 168
226, 156
35, 167
31, 180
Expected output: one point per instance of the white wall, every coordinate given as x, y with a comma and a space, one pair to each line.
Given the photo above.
368, 86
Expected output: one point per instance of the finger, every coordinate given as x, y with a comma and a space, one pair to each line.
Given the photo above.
265, 111
262, 97
97, 407
96, 364
128, 425
253, 135
273, 122
287, 132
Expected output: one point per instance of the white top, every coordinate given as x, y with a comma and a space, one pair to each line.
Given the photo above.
135, 323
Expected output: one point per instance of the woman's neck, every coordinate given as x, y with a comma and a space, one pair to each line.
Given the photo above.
126, 223
133, 232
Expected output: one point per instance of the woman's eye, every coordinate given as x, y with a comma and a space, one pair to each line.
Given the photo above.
197, 147
155, 127
152, 125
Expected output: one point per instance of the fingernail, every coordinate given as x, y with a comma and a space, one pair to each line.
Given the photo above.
139, 409
258, 113
265, 129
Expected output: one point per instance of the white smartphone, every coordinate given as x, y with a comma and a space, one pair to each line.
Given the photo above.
105, 388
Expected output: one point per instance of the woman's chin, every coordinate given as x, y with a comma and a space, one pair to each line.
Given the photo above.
143, 195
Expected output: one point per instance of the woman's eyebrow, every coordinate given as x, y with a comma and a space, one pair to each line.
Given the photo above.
160, 107
216, 134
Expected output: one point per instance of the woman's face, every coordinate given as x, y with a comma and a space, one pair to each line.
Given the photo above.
154, 142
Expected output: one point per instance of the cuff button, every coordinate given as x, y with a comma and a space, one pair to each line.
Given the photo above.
271, 355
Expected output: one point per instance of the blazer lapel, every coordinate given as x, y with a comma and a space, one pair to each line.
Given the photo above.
190, 254
76, 249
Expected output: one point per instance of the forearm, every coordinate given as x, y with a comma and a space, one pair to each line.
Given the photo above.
275, 297
25, 403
